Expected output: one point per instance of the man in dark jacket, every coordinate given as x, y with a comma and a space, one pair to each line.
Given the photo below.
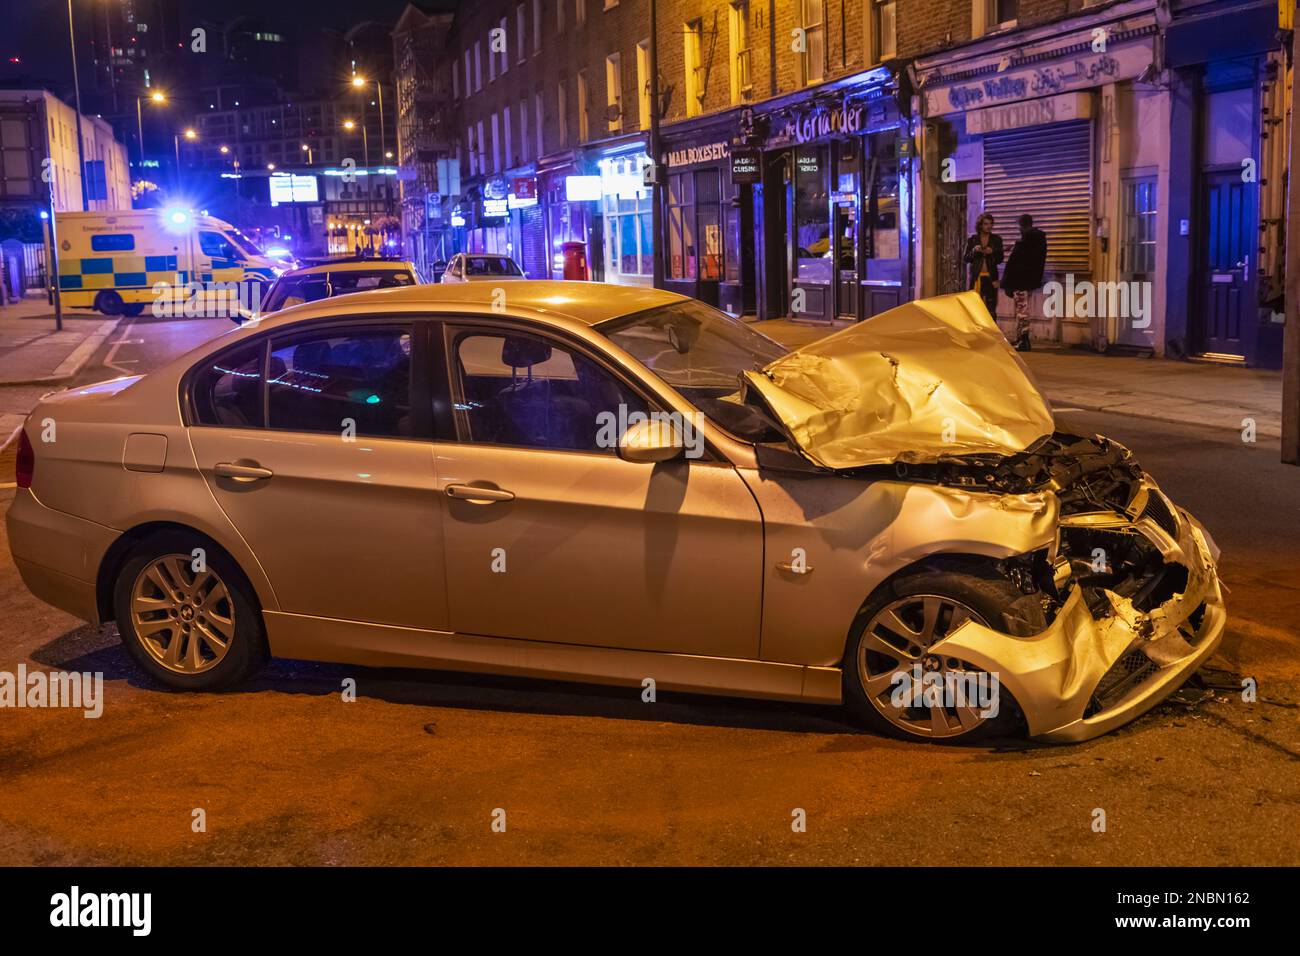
1024, 275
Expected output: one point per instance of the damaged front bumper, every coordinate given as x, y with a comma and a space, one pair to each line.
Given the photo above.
1103, 662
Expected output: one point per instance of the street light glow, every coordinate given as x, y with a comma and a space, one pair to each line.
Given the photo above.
349, 124
358, 81
190, 134
158, 97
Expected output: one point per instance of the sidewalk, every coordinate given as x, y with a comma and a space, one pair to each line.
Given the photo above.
32, 352
1187, 392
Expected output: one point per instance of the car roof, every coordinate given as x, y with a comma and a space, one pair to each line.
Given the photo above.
354, 265
586, 302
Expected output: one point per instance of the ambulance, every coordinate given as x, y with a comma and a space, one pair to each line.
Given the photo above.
120, 262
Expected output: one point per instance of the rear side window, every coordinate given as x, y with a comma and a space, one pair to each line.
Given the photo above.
227, 391
341, 379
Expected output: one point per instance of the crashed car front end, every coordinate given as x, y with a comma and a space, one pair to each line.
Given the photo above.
931, 394
1129, 588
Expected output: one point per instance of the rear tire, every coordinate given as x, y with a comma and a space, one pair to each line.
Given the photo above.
191, 630
898, 624
109, 303
132, 309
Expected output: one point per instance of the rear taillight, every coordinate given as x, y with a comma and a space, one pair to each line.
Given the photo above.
26, 464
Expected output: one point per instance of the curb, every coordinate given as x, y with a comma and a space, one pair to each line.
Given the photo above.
75, 362
9, 440
1066, 402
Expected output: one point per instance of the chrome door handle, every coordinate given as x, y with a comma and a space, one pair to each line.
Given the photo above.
230, 469
477, 494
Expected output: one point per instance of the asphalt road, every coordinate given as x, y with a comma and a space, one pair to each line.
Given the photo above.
411, 772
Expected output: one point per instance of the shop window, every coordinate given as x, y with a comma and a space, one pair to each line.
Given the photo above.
813, 261
881, 239
695, 240
629, 252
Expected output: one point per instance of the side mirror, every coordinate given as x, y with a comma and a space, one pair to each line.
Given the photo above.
650, 442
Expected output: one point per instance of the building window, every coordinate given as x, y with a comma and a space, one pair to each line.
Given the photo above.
505, 46
482, 148
884, 28
629, 251
695, 248
580, 12
643, 84
537, 27
613, 93
469, 148
562, 103
741, 83
539, 117
455, 82
1137, 251
521, 29
523, 129
478, 65
584, 105
693, 34
814, 42
559, 16
469, 74
492, 61
496, 143
1003, 13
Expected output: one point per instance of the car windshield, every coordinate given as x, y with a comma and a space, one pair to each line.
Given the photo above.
700, 352
295, 290
490, 266
246, 245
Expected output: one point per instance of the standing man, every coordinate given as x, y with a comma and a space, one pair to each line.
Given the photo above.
984, 255
1024, 275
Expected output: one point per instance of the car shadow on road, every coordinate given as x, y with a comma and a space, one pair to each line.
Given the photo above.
98, 649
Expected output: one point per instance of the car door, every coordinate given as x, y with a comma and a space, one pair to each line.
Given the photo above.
315, 442
550, 536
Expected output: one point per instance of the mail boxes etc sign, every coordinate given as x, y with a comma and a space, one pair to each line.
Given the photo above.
693, 155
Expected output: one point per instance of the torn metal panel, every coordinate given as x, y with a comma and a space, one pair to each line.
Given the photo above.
930, 379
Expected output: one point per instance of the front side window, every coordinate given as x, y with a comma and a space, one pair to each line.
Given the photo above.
215, 245
341, 380
700, 352
525, 390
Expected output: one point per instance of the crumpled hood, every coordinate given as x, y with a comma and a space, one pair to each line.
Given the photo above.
931, 379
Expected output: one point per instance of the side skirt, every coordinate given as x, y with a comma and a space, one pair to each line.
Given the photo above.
378, 645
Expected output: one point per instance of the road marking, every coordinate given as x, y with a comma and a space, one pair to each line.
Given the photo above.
112, 352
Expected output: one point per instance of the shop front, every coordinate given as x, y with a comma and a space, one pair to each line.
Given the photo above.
626, 253
568, 195
699, 200
1066, 124
835, 208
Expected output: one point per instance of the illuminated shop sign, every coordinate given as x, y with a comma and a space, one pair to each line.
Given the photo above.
691, 155
746, 166
817, 123
523, 192
582, 188
496, 208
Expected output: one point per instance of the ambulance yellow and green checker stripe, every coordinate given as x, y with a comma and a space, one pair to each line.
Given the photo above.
119, 272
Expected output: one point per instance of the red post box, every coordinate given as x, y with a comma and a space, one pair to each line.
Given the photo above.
575, 261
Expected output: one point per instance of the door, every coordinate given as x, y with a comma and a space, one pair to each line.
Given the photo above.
846, 260
1137, 258
315, 445
550, 536
1228, 234
812, 240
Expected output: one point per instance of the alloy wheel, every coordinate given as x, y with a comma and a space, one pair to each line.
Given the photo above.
897, 641
184, 618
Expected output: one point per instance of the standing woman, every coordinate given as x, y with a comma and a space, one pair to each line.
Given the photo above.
984, 255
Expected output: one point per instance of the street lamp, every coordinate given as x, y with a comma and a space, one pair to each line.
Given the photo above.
350, 125
307, 149
359, 82
155, 97
191, 136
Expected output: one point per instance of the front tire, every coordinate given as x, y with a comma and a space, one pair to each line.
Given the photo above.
190, 624
890, 646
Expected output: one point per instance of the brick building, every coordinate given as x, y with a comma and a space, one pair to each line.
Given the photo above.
827, 159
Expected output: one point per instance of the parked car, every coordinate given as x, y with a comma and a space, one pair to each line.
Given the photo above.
468, 267
609, 484
325, 280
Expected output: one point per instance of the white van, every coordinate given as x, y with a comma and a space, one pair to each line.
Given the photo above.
113, 261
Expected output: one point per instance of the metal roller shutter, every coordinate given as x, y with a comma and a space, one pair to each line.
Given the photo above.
1045, 171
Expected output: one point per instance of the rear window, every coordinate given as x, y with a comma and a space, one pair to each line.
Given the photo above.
227, 391
490, 266
295, 290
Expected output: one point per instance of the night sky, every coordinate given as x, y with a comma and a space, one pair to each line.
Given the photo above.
36, 31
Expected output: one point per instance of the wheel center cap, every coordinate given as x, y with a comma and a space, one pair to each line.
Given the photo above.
187, 613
